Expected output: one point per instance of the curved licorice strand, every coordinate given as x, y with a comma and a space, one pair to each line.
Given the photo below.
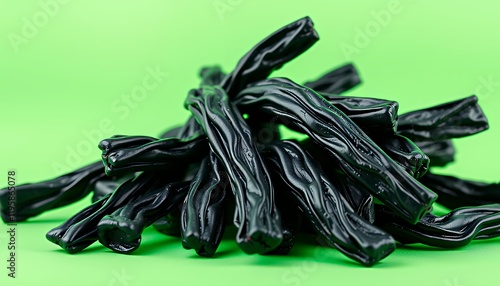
271, 54
455, 229
34, 199
336, 81
329, 213
359, 157
256, 216
203, 212
80, 231
454, 119
121, 230
455, 192
122, 141
378, 117
406, 153
165, 153
355, 194
440, 153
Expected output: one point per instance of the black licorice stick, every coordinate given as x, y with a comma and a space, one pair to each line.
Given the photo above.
203, 212
440, 153
34, 199
406, 153
122, 141
375, 116
80, 231
455, 193
161, 154
256, 216
122, 230
271, 54
455, 229
336, 81
355, 194
454, 119
360, 158
329, 213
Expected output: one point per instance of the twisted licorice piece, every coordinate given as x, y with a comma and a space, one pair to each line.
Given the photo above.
455, 193
336, 81
80, 231
455, 229
355, 194
203, 212
271, 54
375, 116
360, 158
406, 153
256, 216
329, 213
454, 119
116, 142
268, 55
34, 199
440, 152
122, 230
162, 154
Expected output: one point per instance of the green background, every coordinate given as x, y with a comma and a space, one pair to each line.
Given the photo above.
64, 80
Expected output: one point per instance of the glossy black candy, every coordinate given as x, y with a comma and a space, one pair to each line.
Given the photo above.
271, 54
353, 150
455, 192
256, 216
162, 154
122, 230
440, 153
328, 212
34, 199
406, 153
355, 194
454, 119
80, 231
377, 117
455, 229
203, 213
336, 81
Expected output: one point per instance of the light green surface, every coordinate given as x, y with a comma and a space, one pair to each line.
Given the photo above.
62, 89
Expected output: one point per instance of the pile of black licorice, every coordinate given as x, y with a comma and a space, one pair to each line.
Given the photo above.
360, 180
